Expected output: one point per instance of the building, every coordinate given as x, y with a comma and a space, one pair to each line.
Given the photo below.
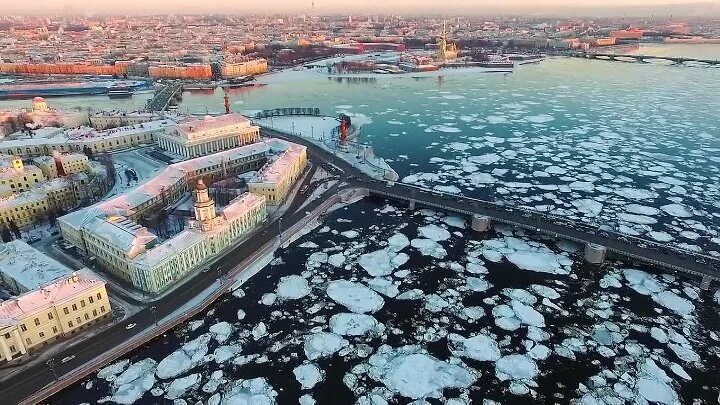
276, 178
15, 177
631, 33
191, 71
209, 135
114, 119
243, 68
24, 268
46, 141
109, 233
24, 208
207, 235
605, 41
66, 163
58, 309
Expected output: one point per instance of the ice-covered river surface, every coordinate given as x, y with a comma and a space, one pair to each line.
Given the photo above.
381, 304
635, 146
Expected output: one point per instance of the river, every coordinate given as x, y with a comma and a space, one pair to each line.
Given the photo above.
460, 316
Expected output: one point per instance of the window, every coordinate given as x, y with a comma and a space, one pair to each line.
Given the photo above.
91, 299
70, 324
94, 312
65, 310
99, 296
54, 329
37, 322
23, 328
50, 315
74, 307
41, 334
102, 309
29, 342
87, 317
79, 321
82, 304
12, 348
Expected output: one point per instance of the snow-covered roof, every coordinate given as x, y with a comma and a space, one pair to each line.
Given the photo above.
210, 126
275, 170
72, 285
25, 197
51, 135
28, 267
126, 235
241, 205
172, 247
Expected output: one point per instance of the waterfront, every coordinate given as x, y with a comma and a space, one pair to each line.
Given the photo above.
595, 140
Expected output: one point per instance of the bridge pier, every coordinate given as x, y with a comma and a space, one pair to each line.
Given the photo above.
480, 223
705, 283
595, 253
411, 207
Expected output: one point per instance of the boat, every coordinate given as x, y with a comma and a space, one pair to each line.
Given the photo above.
119, 91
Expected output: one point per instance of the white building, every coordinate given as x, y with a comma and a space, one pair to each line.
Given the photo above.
114, 119
108, 232
45, 141
209, 135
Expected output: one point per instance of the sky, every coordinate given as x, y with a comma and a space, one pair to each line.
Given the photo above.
590, 7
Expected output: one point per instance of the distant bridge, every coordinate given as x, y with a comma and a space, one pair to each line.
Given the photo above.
161, 100
677, 60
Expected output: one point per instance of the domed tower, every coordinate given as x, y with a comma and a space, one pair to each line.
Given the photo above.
204, 205
40, 105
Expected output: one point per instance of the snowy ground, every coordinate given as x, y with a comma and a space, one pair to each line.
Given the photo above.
319, 131
383, 305
145, 168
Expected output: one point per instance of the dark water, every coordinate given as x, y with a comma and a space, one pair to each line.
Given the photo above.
559, 377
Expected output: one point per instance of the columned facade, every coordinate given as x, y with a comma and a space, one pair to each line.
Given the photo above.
209, 135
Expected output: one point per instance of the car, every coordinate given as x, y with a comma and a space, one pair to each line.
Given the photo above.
130, 326
304, 189
68, 358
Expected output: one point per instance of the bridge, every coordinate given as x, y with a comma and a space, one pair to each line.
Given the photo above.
677, 60
161, 100
639, 250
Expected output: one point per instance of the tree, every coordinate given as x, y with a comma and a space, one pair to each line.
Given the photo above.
5, 233
14, 229
88, 152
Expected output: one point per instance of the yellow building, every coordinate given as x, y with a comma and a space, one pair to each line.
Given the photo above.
16, 177
71, 163
23, 208
276, 178
61, 308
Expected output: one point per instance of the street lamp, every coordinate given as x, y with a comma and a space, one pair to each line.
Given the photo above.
280, 227
152, 310
51, 364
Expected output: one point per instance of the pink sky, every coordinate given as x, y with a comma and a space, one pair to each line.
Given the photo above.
304, 6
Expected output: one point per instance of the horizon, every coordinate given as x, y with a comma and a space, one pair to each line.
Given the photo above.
609, 8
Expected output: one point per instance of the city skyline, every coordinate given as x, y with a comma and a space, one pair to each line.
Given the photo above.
558, 7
